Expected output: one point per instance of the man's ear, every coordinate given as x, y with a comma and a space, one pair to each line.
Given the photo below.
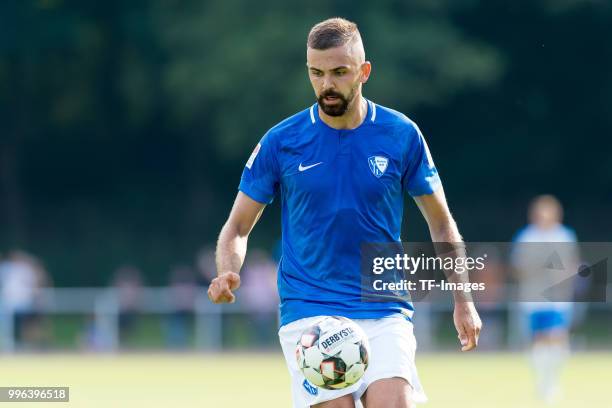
366, 69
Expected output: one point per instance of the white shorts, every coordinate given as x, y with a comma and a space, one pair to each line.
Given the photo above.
392, 352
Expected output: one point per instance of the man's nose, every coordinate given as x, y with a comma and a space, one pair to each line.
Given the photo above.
328, 82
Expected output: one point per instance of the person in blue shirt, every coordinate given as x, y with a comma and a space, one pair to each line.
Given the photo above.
548, 322
341, 168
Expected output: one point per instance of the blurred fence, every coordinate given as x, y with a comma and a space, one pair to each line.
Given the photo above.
433, 321
104, 306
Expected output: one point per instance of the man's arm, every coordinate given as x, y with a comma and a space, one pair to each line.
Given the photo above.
232, 246
443, 228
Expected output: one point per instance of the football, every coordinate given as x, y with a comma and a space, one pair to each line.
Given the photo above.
333, 353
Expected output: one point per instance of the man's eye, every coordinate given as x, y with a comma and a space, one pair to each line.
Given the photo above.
317, 73
340, 73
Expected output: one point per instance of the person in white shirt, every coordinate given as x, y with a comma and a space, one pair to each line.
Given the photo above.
545, 256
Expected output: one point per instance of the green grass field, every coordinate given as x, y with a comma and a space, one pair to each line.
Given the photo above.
261, 380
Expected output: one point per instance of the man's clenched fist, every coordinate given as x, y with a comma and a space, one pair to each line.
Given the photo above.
220, 289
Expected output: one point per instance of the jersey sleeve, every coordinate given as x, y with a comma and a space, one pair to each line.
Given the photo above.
260, 177
420, 176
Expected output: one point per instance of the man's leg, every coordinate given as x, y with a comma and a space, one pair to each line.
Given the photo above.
550, 348
342, 402
388, 393
548, 353
391, 378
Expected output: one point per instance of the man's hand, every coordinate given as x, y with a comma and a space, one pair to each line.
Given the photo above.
468, 325
220, 289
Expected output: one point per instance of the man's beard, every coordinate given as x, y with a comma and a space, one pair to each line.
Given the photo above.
337, 109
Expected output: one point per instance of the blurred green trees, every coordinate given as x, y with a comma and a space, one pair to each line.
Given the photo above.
125, 125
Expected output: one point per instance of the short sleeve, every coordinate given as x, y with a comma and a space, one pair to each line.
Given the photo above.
421, 176
260, 177
570, 234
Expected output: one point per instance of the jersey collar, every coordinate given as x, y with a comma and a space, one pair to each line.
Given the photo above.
370, 115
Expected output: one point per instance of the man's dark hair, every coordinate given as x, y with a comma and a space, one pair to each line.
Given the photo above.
333, 32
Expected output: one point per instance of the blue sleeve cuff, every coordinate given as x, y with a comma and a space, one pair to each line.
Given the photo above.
429, 186
255, 193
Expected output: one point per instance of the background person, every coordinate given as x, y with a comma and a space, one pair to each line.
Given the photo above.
22, 276
541, 264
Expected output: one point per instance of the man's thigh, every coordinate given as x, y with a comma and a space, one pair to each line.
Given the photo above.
392, 371
388, 393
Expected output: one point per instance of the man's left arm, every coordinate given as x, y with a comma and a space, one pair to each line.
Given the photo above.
443, 229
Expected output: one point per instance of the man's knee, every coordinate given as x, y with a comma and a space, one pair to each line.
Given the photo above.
389, 393
342, 402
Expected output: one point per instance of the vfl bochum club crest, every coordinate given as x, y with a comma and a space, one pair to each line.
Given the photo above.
378, 165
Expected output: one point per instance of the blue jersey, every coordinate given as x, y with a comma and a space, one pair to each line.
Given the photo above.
338, 189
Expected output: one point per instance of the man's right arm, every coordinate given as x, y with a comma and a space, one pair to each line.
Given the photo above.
232, 246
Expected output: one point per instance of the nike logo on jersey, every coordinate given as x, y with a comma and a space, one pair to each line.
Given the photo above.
304, 168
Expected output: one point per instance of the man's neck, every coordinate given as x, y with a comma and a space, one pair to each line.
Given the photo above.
547, 226
353, 117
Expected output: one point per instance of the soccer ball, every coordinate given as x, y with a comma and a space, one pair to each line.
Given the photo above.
333, 353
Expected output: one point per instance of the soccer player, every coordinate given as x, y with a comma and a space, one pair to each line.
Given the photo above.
542, 264
341, 168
